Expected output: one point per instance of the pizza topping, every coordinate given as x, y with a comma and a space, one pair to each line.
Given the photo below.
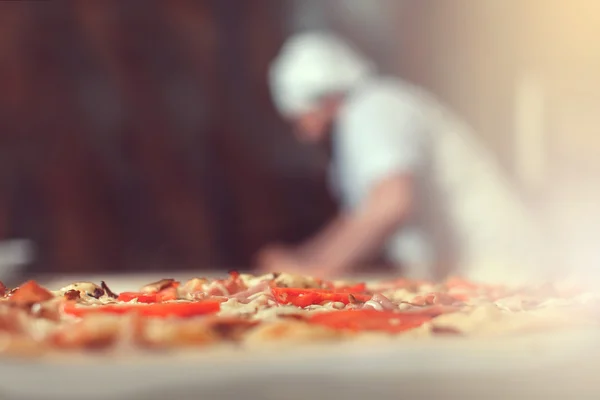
251, 280
107, 290
226, 287
160, 285
246, 295
3, 289
233, 307
167, 293
97, 293
412, 286
85, 289
359, 320
306, 297
353, 300
72, 294
48, 310
380, 302
435, 298
345, 287
373, 305
159, 310
217, 289
29, 293
296, 281
194, 285
356, 288
137, 297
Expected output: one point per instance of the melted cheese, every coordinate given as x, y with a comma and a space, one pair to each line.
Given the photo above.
251, 280
83, 288
374, 305
296, 281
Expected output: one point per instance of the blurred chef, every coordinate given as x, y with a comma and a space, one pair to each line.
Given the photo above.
399, 159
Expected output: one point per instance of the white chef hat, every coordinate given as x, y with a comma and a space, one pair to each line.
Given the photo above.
311, 65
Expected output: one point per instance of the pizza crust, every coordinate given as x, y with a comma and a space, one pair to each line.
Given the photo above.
291, 332
491, 320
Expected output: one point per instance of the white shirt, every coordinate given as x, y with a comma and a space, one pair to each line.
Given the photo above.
387, 127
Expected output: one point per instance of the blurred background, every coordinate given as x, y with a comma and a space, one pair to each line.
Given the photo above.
140, 135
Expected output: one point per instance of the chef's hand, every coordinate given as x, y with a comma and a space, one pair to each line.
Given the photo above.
279, 258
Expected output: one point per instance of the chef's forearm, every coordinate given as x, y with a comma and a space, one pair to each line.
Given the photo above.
352, 240
316, 243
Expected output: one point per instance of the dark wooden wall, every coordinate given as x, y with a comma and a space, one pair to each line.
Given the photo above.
140, 135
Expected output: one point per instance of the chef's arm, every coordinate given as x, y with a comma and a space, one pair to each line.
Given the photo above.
353, 237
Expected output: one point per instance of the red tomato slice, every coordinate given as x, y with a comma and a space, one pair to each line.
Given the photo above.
307, 297
159, 310
141, 297
30, 292
357, 288
370, 320
169, 293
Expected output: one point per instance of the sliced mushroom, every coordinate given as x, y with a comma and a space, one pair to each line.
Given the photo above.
353, 300
158, 286
85, 289
98, 292
72, 294
107, 290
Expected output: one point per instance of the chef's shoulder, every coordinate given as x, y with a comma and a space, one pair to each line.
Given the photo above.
383, 97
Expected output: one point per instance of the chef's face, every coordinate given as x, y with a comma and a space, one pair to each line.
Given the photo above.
313, 126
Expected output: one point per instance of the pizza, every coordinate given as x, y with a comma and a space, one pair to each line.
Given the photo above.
244, 311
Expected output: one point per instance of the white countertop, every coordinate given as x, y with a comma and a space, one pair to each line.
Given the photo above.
536, 366
549, 366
